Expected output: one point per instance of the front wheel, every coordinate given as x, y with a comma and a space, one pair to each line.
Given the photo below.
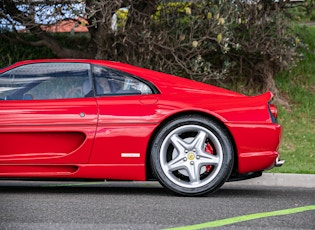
192, 155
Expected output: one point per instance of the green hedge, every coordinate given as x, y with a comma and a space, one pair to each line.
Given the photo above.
11, 51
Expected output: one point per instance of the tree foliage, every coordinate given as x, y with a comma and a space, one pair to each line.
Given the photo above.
202, 40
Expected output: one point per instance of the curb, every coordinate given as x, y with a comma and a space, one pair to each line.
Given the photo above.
267, 180
280, 180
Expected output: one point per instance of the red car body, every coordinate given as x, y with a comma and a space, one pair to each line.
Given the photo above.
110, 137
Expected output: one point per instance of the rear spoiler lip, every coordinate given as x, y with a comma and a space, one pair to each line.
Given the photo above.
265, 97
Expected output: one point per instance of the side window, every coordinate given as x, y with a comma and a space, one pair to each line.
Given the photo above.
44, 81
113, 82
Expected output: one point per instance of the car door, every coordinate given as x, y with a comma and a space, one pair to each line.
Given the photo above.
45, 117
127, 117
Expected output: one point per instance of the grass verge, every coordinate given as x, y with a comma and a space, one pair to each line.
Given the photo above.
298, 121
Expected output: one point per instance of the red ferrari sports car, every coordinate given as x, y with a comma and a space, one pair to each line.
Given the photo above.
92, 119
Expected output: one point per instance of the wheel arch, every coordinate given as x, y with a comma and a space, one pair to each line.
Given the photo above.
149, 171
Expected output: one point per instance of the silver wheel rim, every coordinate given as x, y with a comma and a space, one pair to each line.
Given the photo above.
184, 159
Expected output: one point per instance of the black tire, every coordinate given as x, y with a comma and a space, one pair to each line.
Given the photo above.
192, 155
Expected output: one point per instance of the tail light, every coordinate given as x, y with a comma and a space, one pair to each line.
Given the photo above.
274, 110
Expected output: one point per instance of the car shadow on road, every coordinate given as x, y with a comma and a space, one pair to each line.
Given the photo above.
123, 188
112, 188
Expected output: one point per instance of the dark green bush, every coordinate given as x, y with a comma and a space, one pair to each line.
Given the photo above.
12, 51
219, 40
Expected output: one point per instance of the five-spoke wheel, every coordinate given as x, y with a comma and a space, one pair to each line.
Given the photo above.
192, 155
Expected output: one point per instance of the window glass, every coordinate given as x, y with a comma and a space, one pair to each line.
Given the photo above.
44, 81
113, 82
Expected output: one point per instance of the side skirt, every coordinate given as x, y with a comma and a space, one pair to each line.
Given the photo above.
83, 171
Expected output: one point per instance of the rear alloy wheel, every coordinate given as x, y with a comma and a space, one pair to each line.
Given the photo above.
192, 155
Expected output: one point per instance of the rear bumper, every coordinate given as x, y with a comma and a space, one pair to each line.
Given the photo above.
256, 146
238, 177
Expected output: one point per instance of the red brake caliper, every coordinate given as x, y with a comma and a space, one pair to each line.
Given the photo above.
209, 150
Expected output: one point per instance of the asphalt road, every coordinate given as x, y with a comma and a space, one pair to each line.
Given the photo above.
128, 205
